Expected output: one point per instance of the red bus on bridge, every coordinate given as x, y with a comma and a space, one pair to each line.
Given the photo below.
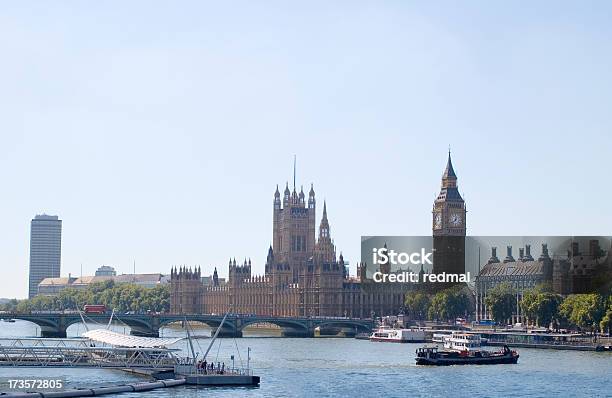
94, 309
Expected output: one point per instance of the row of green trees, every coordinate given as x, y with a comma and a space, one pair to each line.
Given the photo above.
544, 308
122, 297
540, 305
444, 305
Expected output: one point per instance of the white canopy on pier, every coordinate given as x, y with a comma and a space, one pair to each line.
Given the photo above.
123, 340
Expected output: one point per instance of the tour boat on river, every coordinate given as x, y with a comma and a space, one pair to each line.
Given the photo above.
431, 356
398, 335
461, 341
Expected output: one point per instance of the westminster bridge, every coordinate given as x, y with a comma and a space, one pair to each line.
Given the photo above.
54, 324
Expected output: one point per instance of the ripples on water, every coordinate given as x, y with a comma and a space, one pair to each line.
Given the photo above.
335, 367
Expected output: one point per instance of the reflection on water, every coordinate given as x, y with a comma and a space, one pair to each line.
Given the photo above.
339, 367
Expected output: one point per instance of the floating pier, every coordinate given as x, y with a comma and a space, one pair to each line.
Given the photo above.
107, 350
90, 392
222, 380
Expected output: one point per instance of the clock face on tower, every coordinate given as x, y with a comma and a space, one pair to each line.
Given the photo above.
455, 219
438, 220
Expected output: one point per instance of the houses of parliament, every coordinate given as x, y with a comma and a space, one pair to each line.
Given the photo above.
304, 276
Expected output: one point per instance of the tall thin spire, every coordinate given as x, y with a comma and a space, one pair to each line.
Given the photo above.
449, 172
324, 210
324, 226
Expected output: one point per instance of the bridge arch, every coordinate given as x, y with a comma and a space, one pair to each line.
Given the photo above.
289, 327
48, 327
137, 326
228, 330
136, 323
213, 323
343, 323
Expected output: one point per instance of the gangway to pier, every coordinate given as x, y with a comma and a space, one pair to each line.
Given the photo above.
87, 352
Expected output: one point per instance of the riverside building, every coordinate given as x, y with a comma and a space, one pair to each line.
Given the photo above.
575, 272
45, 250
53, 286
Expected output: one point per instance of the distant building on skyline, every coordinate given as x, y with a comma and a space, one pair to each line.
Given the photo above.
106, 270
52, 286
45, 250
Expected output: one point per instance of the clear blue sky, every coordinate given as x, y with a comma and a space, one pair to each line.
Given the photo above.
158, 131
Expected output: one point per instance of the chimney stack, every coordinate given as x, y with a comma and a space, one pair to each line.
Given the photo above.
528, 256
493, 258
544, 254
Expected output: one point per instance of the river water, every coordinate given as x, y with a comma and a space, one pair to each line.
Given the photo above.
338, 367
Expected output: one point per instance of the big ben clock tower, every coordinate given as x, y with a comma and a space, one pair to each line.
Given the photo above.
449, 226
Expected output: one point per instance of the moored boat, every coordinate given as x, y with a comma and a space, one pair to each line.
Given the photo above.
432, 356
398, 335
